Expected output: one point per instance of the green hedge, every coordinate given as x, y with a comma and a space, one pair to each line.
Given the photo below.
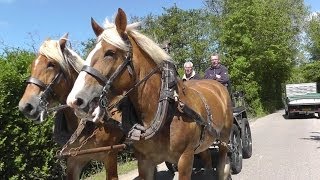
27, 150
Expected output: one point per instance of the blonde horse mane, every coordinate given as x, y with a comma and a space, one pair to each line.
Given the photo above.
111, 35
52, 50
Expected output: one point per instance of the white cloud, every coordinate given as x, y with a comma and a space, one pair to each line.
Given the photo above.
6, 1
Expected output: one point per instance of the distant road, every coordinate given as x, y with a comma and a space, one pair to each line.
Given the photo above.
283, 149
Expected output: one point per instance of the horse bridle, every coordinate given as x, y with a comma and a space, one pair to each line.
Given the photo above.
107, 82
47, 89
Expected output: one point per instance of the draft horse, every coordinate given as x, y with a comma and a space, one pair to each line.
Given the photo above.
178, 119
53, 74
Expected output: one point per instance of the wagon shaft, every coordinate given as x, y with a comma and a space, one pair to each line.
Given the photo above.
91, 150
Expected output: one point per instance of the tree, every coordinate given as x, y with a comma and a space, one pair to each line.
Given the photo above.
259, 41
313, 33
189, 32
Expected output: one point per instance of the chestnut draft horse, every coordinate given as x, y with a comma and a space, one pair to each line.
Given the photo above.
53, 74
178, 119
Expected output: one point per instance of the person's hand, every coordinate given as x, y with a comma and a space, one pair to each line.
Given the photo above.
218, 76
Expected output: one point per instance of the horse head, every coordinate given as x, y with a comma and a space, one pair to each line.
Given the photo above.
111, 52
51, 78
119, 60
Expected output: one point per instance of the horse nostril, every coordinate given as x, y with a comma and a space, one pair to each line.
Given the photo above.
28, 108
79, 102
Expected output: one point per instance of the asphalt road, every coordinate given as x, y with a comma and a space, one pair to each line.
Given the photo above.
283, 149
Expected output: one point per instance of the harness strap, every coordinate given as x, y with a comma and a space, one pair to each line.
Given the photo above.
134, 86
78, 131
166, 107
197, 118
205, 125
43, 104
36, 81
95, 73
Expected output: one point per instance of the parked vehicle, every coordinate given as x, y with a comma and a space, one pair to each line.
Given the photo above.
301, 99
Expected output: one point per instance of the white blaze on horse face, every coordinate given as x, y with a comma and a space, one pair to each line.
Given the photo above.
93, 52
80, 81
37, 62
77, 87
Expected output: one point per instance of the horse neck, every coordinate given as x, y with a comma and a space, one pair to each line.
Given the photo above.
145, 98
70, 78
71, 119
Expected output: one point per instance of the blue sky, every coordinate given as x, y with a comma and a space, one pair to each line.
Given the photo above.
19, 19
24, 20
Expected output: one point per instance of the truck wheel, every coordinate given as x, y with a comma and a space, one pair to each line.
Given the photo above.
236, 150
289, 115
246, 139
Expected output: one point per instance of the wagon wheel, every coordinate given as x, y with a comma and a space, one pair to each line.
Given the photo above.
236, 150
246, 139
171, 167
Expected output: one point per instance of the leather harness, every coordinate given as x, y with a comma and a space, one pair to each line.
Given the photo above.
166, 105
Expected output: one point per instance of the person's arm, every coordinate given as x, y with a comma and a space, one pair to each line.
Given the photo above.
209, 74
224, 79
196, 76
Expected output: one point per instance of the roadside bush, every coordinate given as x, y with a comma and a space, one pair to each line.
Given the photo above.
27, 150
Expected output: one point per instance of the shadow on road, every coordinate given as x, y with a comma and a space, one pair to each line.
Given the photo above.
166, 175
301, 117
314, 136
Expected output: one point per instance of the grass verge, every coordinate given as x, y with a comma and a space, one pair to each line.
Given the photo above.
122, 169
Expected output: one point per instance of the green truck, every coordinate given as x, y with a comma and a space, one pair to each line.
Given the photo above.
301, 99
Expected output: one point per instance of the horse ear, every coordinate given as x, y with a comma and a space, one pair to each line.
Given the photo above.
121, 21
63, 41
96, 28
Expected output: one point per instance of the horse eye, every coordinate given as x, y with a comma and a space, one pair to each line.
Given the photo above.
51, 64
109, 53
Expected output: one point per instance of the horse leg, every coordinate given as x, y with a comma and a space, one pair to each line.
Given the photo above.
110, 164
146, 170
74, 167
223, 168
185, 165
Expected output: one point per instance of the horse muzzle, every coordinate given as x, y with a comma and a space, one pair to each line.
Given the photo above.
33, 112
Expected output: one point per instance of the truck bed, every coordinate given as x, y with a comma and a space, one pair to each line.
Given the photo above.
305, 99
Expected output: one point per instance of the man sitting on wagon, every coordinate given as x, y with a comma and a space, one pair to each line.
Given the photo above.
219, 72
189, 73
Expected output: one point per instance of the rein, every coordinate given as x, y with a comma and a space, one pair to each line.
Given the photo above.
134, 86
